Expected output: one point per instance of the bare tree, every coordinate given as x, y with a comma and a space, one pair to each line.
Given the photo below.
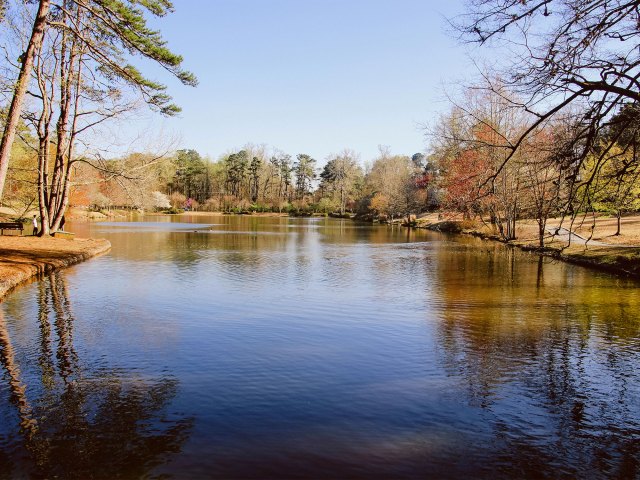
566, 54
391, 185
471, 145
545, 185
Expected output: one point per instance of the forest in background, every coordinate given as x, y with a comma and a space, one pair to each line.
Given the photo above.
552, 131
253, 179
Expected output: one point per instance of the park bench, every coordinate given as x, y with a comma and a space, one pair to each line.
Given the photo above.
11, 226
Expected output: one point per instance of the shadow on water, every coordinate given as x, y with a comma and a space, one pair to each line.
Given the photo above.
71, 422
556, 375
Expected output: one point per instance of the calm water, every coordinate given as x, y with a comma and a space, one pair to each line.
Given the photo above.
239, 347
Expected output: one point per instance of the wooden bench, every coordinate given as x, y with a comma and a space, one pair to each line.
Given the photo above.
11, 226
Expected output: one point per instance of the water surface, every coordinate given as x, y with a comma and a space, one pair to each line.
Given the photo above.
245, 347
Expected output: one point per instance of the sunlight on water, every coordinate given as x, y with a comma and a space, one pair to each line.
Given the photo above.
245, 347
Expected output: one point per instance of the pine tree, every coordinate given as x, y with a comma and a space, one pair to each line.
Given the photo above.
99, 36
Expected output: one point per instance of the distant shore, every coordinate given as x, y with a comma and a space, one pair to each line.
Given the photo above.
618, 254
80, 215
25, 257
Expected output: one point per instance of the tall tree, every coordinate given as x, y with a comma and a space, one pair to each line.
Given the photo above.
15, 109
92, 41
544, 183
305, 172
339, 176
236, 166
96, 36
612, 173
254, 177
190, 177
286, 169
616, 188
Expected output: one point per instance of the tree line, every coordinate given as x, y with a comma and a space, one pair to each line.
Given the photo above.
76, 75
552, 132
252, 179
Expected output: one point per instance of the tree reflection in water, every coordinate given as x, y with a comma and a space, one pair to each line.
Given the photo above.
555, 373
81, 423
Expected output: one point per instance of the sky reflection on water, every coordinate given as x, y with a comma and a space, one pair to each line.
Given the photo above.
297, 348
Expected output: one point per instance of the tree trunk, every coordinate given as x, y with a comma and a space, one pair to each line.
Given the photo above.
513, 226
541, 226
619, 222
15, 109
62, 128
69, 99
44, 136
42, 187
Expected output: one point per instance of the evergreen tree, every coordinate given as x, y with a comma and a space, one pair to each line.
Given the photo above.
254, 172
98, 35
305, 173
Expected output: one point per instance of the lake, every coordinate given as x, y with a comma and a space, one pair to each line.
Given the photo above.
254, 347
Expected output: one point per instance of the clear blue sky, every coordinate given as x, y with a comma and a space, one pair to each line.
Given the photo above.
312, 76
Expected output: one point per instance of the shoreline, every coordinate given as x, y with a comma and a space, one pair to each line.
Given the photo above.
618, 259
614, 259
23, 258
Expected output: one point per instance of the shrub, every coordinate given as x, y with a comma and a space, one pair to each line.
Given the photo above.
173, 210
212, 204
177, 200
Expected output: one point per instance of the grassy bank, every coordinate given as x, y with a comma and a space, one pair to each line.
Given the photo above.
619, 254
22, 258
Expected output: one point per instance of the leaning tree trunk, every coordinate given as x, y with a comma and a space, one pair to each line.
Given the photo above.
15, 109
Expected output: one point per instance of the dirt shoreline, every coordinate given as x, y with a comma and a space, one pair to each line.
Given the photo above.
619, 255
25, 257
616, 259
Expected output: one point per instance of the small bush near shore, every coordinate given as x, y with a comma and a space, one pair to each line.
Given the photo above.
173, 211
